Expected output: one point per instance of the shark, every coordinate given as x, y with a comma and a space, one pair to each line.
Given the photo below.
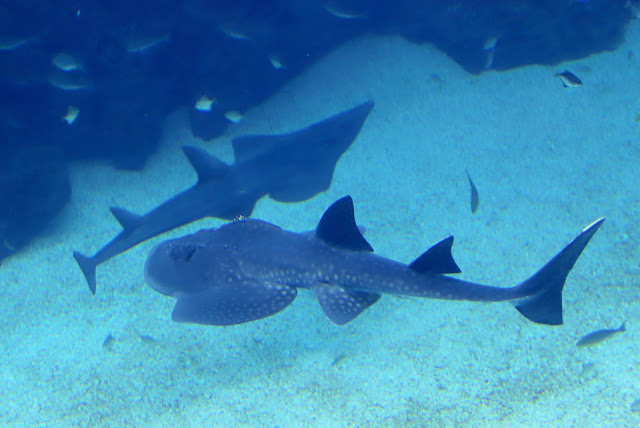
288, 167
251, 269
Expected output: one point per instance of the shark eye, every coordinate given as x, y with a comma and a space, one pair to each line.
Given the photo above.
183, 252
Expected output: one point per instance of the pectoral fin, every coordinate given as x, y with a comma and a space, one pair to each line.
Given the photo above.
233, 303
340, 305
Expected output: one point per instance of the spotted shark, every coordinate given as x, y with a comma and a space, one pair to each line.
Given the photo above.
289, 167
250, 269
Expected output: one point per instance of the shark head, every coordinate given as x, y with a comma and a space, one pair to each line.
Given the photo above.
210, 274
250, 269
168, 268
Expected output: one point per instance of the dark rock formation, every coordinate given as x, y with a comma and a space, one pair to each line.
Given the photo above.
34, 187
139, 60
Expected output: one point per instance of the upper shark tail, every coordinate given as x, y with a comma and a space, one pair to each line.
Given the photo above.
542, 303
88, 267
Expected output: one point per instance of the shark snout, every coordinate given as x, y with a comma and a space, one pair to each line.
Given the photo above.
178, 266
153, 271
166, 269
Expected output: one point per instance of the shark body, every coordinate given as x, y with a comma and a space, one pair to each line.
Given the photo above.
250, 269
289, 168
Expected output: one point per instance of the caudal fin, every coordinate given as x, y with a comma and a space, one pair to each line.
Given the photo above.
88, 268
543, 304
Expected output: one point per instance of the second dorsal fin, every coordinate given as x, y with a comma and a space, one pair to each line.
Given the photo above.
437, 259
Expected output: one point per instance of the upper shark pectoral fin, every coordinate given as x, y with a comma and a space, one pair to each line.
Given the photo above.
340, 305
305, 159
233, 303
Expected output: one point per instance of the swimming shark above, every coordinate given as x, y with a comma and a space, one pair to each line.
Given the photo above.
250, 269
288, 167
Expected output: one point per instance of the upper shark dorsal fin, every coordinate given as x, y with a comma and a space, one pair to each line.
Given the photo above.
437, 259
207, 167
127, 219
337, 227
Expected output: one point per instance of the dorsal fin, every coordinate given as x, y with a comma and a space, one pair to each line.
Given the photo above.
337, 227
207, 167
127, 219
437, 259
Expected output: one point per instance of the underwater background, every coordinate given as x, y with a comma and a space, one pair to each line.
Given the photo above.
457, 86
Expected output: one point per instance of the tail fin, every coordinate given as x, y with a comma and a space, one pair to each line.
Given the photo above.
88, 268
543, 304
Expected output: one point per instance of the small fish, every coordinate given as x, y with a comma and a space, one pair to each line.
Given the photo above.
587, 370
598, 336
275, 62
489, 46
490, 43
66, 62
108, 342
72, 115
569, 80
8, 245
70, 81
10, 43
488, 62
635, 406
232, 32
204, 103
340, 11
475, 199
337, 360
233, 116
137, 45
149, 340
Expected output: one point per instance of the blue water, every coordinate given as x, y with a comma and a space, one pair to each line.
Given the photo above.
547, 161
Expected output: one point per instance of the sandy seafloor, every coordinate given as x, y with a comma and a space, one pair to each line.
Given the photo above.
546, 160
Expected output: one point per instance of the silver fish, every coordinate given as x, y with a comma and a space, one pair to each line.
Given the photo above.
599, 336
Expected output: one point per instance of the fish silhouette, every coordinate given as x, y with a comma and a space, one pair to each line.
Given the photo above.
288, 167
250, 269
